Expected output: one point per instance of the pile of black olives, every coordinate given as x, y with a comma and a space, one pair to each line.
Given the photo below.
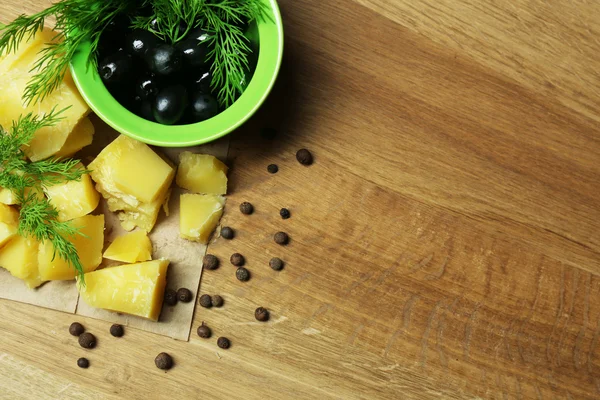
168, 84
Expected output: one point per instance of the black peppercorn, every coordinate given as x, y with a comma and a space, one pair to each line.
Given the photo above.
184, 295
83, 363
272, 168
223, 343
261, 314
285, 213
87, 340
170, 297
163, 361
246, 208
76, 329
117, 330
204, 331
304, 157
205, 301
217, 301
276, 263
227, 233
237, 259
210, 262
281, 238
242, 274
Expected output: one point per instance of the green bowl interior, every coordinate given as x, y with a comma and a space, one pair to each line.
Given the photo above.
91, 87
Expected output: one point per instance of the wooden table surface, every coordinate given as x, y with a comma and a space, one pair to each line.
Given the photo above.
445, 244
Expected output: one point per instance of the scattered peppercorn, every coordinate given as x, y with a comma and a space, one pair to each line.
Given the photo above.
285, 213
210, 262
273, 168
227, 233
242, 274
217, 301
204, 331
83, 363
184, 295
261, 314
205, 301
163, 361
117, 330
76, 329
237, 259
304, 157
246, 208
281, 238
87, 340
170, 297
276, 263
223, 343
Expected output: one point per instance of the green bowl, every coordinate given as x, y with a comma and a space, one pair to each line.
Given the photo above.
91, 87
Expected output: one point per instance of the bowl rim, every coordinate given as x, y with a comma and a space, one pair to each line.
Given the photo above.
107, 108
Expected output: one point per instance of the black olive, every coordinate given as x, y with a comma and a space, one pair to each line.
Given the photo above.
136, 104
115, 68
200, 35
194, 52
145, 11
170, 104
140, 41
129, 100
147, 87
202, 81
146, 111
107, 46
111, 39
117, 25
154, 24
181, 28
203, 106
164, 59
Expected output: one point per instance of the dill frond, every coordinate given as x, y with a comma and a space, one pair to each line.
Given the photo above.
37, 217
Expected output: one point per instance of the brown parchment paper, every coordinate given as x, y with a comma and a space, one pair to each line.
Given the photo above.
58, 295
184, 270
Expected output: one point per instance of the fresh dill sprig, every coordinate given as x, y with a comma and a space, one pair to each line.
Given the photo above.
222, 19
231, 48
76, 22
170, 20
37, 217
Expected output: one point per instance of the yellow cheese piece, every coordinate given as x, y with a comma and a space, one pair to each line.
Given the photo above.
26, 53
48, 140
73, 199
82, 136
143, 216
9, 223
7, 197
135, 289
142, 173
202, 173
89, 247
130, 248
20, 257
199, 215
133, 210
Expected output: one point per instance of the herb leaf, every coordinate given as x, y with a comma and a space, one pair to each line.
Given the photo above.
37, 217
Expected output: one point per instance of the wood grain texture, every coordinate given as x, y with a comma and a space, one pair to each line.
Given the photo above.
445, 243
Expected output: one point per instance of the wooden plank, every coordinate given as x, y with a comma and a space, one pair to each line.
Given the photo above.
444, 244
